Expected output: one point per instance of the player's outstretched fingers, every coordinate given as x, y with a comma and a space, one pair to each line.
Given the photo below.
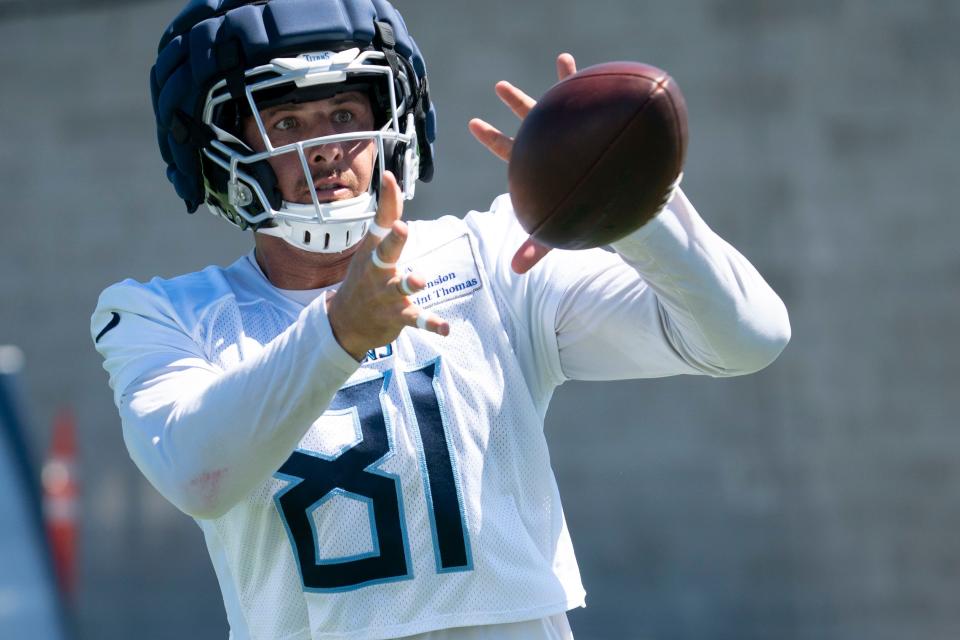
388, 232
528, 255
409, 283
387, 253
390, 207
492, 138
424, 320
518, 101
566, 66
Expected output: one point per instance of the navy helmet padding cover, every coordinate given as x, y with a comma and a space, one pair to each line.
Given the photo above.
186, 66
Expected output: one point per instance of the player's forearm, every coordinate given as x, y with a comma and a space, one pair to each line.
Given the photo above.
205, 438
720, 314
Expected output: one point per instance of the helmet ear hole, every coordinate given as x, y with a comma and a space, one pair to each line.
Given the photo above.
261, 173
394, 152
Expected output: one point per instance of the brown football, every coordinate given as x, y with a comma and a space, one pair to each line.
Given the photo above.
598, 155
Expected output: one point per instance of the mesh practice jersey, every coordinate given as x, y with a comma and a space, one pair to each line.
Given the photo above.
413, 491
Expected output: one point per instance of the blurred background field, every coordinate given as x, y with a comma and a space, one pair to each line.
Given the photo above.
817, 500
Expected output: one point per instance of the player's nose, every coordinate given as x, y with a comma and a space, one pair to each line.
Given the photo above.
326, 153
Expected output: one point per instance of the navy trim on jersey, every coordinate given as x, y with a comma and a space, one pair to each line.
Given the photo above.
440, 475
323, 478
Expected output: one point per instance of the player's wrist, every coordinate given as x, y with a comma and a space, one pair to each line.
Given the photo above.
348, 340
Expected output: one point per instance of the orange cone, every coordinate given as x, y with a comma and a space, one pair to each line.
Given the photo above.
60, 493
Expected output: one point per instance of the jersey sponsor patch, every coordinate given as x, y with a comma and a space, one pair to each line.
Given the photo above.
451, 272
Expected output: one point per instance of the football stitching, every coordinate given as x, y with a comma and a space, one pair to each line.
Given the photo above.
658, 86
682, 141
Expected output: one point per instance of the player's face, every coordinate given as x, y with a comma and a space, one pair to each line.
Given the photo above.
340, 170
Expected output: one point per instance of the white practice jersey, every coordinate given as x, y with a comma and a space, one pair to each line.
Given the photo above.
412, 492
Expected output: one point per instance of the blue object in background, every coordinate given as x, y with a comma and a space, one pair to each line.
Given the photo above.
29, 601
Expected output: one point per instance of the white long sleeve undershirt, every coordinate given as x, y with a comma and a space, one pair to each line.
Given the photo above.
681, 300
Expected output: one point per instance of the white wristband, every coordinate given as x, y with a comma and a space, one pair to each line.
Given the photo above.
377, 230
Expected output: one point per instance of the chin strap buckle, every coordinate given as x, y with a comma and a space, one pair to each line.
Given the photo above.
239, 194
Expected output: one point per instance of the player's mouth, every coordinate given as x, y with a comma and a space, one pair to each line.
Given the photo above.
330, 189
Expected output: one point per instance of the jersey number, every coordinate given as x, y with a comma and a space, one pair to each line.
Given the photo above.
314, 479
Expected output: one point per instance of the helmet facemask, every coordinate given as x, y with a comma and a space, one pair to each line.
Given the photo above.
240, 182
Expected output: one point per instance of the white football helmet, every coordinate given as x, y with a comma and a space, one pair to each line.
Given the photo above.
240, 183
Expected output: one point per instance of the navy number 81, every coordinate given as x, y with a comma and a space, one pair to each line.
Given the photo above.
354, 472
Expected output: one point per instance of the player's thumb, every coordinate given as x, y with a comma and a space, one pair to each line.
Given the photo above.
528, 255
390, 206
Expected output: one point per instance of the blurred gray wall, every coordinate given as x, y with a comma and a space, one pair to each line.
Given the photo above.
818, 499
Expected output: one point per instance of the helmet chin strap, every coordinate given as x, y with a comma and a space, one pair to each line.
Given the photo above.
327, 237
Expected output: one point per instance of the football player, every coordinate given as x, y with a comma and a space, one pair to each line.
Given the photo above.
353, 411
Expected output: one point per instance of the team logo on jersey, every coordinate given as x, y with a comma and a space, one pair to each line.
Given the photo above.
451, 272
380, 353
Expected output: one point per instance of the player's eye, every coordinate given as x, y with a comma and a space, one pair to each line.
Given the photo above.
343, 117
285, 124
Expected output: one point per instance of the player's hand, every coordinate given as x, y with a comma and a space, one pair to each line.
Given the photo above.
371, 307
501, 145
